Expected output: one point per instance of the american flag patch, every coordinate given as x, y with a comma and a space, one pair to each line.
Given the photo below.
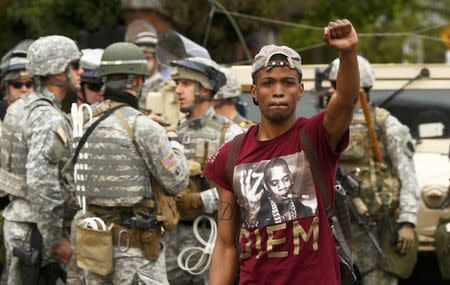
169, 160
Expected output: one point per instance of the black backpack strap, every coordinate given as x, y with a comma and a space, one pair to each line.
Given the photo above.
232, 155
91, 129
314, 162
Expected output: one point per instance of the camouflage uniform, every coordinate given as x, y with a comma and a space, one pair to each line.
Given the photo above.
114, 175
35, 146
110, 183
395, 178
195, 134
399, 150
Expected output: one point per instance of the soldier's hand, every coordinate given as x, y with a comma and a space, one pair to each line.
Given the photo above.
340, 35
405, 240
159, 119
63, 251
188, 200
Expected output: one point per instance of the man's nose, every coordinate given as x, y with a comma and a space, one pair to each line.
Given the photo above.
278, 90
178, 89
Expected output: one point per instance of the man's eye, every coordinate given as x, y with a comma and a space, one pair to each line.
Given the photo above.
286, 178
267, 83
288, 82
273, 183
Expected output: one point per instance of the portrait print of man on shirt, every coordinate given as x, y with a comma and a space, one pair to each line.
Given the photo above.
274, 193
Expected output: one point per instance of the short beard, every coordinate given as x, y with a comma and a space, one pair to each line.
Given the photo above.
279, 117
69, 98
188, 109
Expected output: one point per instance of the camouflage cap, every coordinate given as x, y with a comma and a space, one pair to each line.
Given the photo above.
51, 55
366, 74
262, 59
232, 88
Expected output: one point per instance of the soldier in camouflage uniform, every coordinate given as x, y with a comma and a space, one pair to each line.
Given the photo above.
91, 86
226, 99
35, 146
147, 41
396, 179
122, 155
201, 133
15, 79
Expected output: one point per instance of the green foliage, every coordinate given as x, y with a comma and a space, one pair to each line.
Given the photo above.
34, 18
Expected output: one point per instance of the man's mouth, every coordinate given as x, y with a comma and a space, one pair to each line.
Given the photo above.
278, 104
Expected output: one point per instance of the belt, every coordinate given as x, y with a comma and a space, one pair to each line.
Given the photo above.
125, 238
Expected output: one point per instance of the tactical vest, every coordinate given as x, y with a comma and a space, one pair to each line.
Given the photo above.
109, 170
202, 139
378, 185
14, 149
14, 153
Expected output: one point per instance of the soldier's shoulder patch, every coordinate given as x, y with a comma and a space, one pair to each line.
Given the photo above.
169, 160
61, 134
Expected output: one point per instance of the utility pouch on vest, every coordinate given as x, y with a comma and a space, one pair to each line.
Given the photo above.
94, 250
151, 243
442, 238
184, 203
166, 210
399, 265
356, 149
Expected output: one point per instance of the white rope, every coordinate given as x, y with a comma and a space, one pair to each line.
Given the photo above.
187, 254
76, 113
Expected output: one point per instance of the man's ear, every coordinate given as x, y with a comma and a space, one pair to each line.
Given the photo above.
253, 92
301, 90
206, 93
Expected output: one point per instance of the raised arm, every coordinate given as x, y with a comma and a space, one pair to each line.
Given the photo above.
225, 255
342, 36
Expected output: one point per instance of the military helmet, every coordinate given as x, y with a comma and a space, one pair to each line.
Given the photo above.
147, 41
366, 75
232, 89
202, 70
90, 61
51, 55
14, 68
123, 59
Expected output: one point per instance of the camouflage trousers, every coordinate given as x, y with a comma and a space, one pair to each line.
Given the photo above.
366, 257
131, 267
17, 234
177, 240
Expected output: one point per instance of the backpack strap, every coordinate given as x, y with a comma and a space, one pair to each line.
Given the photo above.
314, 162
232, 155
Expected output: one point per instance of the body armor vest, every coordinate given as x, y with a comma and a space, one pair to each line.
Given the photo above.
14, 152
378, 185
109, 170
202, 137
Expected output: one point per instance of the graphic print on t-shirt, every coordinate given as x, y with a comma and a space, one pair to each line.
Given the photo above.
274, 191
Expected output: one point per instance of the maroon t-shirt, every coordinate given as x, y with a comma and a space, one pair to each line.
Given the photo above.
285, 236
